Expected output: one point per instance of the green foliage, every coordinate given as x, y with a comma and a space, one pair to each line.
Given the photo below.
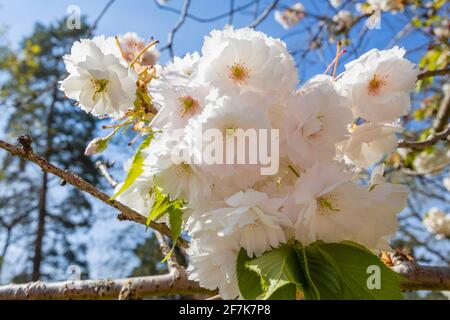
136, 167
249, 282
326, 271
173, 208
279, 269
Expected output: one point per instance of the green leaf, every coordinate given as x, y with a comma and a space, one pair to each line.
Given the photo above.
309, 288
249, 282
175, 212
285, 292
136, 167
160, 206
278, 268
346, 271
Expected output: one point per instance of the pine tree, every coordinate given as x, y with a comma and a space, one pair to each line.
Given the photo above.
56, 215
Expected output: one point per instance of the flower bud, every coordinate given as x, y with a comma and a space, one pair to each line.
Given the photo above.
98, 145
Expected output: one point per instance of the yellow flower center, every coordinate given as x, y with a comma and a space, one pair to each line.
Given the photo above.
376, 84
183, 170
238, 72
99, 86
189, 105
326, 204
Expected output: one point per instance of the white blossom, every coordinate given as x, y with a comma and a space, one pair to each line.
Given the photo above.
437, 222
99, 79
379, 83
242, 82
213, 263
290, 16
132, 45
336, 209
368, 143
315, 120
431, 162
343, 19
245, 60
253, 219
446, 183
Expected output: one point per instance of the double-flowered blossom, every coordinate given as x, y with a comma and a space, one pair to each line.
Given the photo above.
379, 84
324, 132
99, 78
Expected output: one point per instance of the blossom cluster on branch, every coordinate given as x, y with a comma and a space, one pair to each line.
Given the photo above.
321, 135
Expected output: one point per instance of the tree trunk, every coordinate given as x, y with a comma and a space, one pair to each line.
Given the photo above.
40, 229
42, 207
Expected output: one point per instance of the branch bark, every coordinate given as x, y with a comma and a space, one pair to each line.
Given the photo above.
131, 288
433, 73
416, 278
441, 120
432, 139
26, 152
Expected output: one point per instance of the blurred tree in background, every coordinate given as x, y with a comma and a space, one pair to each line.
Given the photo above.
39, 213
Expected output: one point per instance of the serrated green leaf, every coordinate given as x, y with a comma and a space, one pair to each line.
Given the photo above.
341, 271
248, 281
285, 292
309, 288
160, 206
136, 167
175, 212
278, 268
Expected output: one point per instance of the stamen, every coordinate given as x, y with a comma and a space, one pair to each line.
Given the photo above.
189, 105
99, 86
326, 204
239, 73
376, 84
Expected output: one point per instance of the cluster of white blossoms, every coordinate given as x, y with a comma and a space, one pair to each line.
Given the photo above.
438, 223
290, 16
329, 129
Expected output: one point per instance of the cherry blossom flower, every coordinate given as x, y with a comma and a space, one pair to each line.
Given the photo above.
379, 83
99, 79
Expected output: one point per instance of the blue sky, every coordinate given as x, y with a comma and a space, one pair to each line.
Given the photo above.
147, 20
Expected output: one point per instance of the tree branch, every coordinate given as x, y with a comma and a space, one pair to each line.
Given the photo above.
433, 73
441, 120
131, 288
180, 22
99, 17
264, 14
103, 168
432, 139
416, 278
26, 152
172, 263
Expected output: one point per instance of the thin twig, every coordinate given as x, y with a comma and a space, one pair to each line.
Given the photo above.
433, 73
264, 14
103, 168
172, 263
431, 140
180, 22
99, 17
